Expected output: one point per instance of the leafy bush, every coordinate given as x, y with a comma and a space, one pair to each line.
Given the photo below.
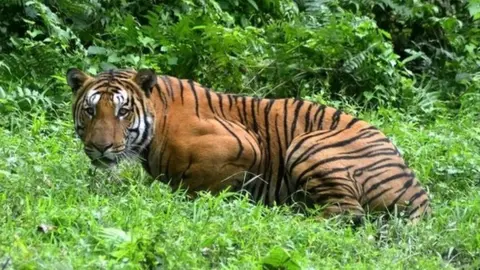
433, 38
415, 55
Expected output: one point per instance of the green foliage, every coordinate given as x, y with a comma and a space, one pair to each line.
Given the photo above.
434, 38
417, 55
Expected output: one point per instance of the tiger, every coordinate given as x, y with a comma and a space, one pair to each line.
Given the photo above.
276, 150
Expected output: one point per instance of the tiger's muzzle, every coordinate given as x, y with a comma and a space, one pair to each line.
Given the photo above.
104, 155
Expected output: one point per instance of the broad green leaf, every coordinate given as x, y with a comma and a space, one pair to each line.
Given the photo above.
253, 4
172, 60
474, 9
279, 258
95, 50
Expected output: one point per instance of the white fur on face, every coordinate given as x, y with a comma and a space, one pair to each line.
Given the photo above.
137, 134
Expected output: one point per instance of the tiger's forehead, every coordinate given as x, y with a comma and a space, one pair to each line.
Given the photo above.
113, 81
116, 74
113, 85
116, 95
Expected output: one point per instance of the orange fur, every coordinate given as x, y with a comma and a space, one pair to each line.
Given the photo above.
278, 150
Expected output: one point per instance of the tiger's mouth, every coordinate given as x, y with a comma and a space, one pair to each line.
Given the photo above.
104, 162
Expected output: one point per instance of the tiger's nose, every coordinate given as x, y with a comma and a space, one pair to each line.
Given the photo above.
102, 148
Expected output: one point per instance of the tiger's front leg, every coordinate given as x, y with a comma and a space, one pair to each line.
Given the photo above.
210, 157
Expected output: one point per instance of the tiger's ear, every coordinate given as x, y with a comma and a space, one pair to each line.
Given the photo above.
76, 78
146, 79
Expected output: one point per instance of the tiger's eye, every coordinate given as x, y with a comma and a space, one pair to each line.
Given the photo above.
90, 111
123, 112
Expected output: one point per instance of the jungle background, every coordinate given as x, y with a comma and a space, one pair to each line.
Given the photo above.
412, 68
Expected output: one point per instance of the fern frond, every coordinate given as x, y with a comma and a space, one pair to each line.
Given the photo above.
356, 61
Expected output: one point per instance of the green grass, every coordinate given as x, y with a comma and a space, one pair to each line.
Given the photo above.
123, 220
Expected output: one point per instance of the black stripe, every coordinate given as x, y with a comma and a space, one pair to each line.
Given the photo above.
386, 180
164, 124
416, 196
370, 200
376, 152
335, 119
161, 95
320, 175
386, 141
333, 133
209, 99
258, 104
240, 116
146, 133
285, 121
402, 190
327, 184
254, 118
244, 108
307, 119
136, 130
220, 103
168, 84
374, 176
194, 91
295, 118
319, 108
230, 102
165, 115
352, 122
359, 171
115, 90
320, 121
181, 89
368, 147
389, 165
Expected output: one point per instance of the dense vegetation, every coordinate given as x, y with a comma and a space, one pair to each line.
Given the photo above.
410, 67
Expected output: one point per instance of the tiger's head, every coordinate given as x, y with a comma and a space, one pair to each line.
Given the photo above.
112, 113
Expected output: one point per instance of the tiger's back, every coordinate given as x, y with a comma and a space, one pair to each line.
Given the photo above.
273, 148
271, 123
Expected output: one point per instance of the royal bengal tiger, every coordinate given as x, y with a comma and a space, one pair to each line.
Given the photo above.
278, 150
